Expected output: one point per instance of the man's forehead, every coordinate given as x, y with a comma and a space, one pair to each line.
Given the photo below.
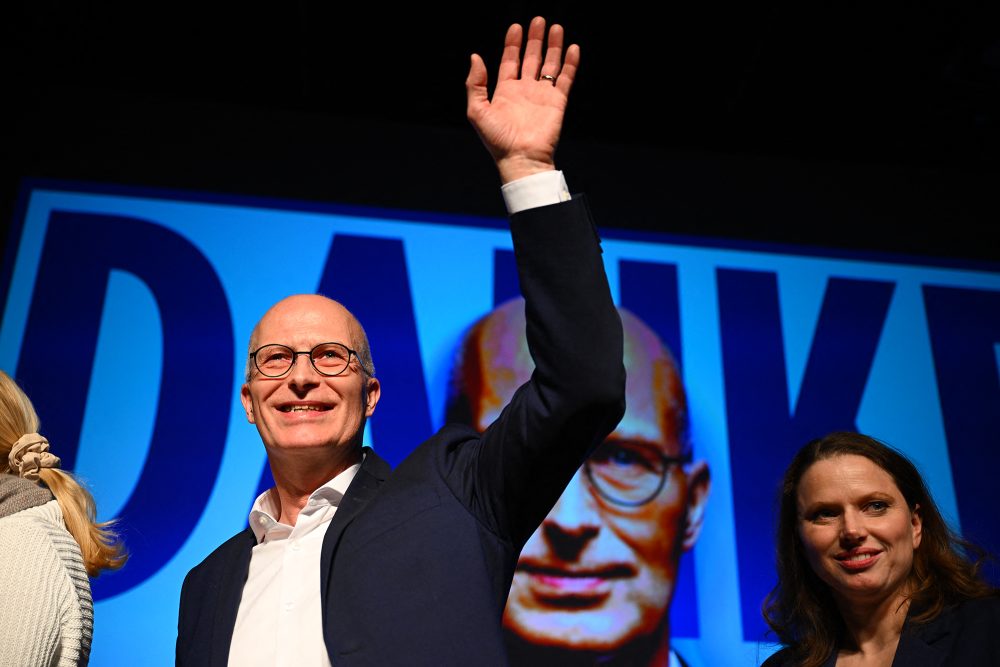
305, 316
657, 430
650, 413
653, 390
653, 401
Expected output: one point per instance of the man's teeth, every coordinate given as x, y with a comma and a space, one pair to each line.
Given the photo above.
300, 408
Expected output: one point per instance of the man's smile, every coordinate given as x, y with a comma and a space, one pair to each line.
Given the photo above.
573, 586
304, 407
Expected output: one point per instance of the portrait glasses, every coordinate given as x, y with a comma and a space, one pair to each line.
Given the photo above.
629, 473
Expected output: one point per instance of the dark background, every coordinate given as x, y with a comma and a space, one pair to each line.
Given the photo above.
871, 127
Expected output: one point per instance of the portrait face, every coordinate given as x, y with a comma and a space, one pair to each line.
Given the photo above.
599, 574
857, 531
304, 410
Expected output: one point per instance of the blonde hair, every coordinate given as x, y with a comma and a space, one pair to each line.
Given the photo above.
100, 545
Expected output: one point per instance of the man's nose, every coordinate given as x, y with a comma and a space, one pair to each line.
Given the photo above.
574, 520
302, 373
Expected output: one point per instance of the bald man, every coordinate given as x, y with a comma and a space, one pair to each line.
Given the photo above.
594, 583
348, 563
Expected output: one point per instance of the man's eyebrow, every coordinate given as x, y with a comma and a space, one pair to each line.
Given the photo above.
661, 446
323, 342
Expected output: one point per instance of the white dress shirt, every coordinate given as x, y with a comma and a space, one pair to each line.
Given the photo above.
541, 189
279, 620
280, 615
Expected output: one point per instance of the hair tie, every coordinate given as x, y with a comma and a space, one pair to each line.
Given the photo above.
30, 454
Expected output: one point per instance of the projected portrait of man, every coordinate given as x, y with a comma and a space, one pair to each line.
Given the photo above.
594, 583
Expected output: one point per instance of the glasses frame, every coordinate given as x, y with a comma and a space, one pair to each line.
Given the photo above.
308, 353
668, 464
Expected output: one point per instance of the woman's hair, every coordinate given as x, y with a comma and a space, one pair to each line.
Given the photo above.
801, 610
101, 547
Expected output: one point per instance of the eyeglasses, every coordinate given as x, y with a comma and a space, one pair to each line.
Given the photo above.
328, 359
629, 473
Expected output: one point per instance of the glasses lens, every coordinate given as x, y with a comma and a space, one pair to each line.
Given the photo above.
331, 358
274, 360
627, 473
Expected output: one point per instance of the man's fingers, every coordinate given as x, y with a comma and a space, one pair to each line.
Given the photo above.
540, 59
533, 49
553, 53
475, 82
510, 62
568, 72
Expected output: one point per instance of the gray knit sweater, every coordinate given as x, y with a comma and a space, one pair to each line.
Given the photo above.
46, 612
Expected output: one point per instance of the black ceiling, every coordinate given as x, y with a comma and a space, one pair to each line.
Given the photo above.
909, 84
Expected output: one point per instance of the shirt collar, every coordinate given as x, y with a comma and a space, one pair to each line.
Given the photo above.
265, 507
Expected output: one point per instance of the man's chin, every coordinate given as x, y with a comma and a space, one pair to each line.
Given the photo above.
299, 443
587, 630
302, 444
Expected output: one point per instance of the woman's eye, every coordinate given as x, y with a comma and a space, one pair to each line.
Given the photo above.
878, 505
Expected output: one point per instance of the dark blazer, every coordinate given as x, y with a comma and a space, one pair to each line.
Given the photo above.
966, 635
417, 562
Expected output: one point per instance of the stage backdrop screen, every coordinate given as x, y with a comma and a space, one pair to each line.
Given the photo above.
126, 316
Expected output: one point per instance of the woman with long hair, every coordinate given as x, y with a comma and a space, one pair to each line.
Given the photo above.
869, 573
50, 545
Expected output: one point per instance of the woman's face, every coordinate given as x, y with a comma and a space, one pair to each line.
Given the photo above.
858, 533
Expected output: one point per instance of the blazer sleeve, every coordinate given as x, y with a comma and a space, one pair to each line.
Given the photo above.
576, 395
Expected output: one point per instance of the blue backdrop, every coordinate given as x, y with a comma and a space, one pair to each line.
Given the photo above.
127, 314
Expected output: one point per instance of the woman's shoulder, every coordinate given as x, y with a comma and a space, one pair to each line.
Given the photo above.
38, 533
785, 657
41, 520
976, 610
29, 537
974, 619
968, 633
984, 610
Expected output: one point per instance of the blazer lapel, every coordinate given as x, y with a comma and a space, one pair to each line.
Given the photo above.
230, 587
924, 645
374, 470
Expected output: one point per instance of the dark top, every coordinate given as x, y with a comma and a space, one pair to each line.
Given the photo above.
417, 563
966, 635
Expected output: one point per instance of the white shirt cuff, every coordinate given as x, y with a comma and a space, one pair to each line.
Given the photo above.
541, 189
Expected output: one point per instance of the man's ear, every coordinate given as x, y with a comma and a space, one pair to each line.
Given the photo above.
699, 485
247, 402
373, 394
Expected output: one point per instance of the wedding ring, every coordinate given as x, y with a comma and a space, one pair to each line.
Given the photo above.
548, 77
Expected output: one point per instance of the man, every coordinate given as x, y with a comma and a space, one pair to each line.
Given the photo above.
594, 583
349, 563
